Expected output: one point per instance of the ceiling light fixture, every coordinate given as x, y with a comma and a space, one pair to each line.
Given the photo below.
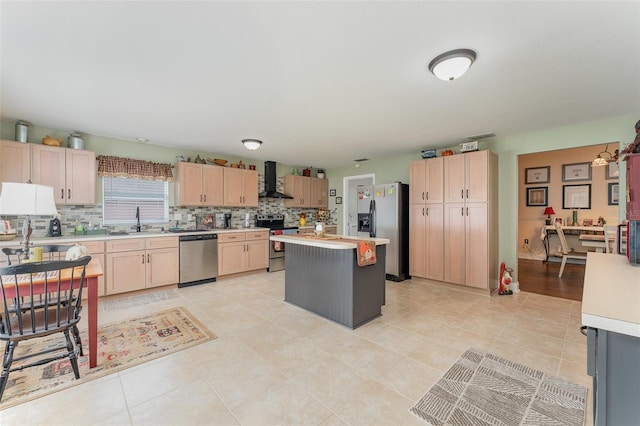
452, 64
251, 144
601, 161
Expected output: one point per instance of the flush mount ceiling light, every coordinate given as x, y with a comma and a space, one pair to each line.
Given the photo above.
251, 144
452, 64
601, 161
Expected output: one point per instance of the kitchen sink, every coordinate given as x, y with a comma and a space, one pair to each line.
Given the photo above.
118, 233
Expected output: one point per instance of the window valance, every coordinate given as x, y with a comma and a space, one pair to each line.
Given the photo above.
139, 169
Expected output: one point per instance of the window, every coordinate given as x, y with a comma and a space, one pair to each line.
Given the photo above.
121, 196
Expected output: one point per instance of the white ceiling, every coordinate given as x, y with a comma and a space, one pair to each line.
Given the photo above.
321, 83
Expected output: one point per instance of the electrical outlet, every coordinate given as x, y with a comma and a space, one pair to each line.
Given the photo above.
526, 241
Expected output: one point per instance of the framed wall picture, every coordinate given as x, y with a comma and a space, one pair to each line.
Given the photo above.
537, 175
576, 172
338, 200
614, 193
613, 170
576, 196
537, 196
332, 192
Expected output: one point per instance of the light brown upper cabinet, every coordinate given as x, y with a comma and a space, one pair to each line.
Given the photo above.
15, 162
240, 187
426, 177
306, 191
198, 185
71, 173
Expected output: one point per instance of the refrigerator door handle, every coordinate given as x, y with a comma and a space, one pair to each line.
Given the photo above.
372, 216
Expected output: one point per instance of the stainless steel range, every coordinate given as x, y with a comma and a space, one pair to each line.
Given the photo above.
275, 223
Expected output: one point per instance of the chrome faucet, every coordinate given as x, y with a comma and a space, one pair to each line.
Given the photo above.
138, 219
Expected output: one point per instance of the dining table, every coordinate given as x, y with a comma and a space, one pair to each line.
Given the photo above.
92, 273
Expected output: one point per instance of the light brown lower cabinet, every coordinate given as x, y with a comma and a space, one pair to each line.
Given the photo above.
138, 263
242, 251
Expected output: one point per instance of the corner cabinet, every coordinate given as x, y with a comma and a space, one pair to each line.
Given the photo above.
240, 187
242, 251
198, 184
454, 219
71, 173
306, 191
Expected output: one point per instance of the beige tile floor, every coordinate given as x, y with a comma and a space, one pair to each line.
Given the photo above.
273, 363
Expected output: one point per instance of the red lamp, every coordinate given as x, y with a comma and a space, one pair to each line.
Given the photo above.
549, 211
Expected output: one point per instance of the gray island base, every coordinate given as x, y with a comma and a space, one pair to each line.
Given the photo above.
330, 283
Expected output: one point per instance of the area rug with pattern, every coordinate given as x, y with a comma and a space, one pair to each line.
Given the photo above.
120, 345
484, 389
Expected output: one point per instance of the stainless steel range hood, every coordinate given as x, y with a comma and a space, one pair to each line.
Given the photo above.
270, 182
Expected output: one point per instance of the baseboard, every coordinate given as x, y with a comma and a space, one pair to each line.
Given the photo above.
531, 256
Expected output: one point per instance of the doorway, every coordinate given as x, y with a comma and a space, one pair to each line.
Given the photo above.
350, 201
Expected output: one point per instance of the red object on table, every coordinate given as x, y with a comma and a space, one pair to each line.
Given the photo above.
549, 211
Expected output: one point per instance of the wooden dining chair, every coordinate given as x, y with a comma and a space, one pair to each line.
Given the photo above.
566, 252
53, 252
28, 321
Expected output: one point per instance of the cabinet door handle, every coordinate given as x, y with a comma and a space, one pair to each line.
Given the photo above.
467, 211
462, 211
423, 211
427, 195
204, 198
143, 258
69, 194
423, 195
467, 193
427, 211
462, 193
148, 258
62, 194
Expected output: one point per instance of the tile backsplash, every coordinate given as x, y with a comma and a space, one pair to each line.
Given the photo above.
91, 216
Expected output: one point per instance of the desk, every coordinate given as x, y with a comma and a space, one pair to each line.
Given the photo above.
568, 231
92, 273
596, 241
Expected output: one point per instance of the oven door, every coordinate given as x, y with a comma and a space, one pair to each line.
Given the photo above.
277, 250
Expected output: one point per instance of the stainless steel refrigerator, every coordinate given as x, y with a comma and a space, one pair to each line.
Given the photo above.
383, 212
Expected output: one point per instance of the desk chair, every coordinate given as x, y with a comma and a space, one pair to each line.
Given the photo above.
610, 238
566, 252
57, 315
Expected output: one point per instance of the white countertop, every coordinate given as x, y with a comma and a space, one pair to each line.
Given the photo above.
65, 239
331, 241
611, 294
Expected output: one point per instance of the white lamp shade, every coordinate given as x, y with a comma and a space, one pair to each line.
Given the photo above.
27, 199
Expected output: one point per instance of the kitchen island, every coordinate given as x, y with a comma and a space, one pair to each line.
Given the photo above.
322, 275
611, 313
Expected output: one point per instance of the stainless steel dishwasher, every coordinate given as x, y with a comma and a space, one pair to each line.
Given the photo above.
198, 259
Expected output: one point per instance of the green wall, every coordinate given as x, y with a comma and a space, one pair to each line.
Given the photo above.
619, 129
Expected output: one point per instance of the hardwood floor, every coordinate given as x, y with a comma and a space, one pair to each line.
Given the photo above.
540, 277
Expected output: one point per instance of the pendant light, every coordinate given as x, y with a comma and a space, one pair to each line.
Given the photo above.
452, 64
